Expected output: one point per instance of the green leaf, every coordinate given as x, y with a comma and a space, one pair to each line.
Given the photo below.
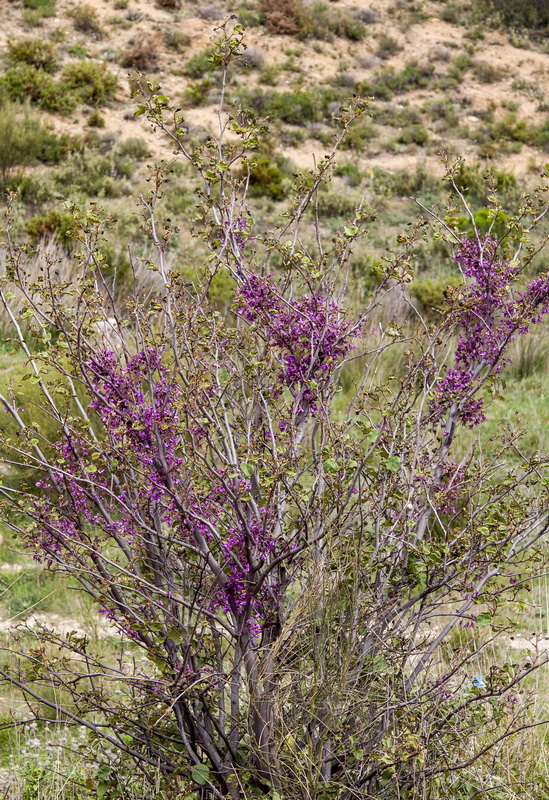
247, 469
175, 635
200, 773
102, 790
484, 619
392, 464
331, 465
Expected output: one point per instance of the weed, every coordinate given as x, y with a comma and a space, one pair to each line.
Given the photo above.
96, 119
77, 50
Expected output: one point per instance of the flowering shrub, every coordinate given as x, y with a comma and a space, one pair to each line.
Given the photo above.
288, 568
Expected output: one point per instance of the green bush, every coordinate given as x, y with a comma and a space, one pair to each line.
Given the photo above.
199, 65
295, 108
135, 148
387, 46
25, 83
477, 184
413, 134
486, 72
24, 139
92, 83
540, 136
175, 40
351, 172
43, 8
55, 223
267, 178
520, 13
197, 93
335, 204
359, 135
95, 175
36, 52
387, 83
431, 293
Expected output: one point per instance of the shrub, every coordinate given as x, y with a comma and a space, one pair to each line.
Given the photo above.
335, 204
366, 15
282, 17
176, 40
413, 134
91, 82
77, 50
135, 148
520, 13
540, 136
94, 175
387, 46
197, 93
351, 172
143, 53
432, 293
295, 108
27, 83
360, 135
279, 507
267, 178
96, 119
173, 5
86, 19
36, 52
24, 140
53, 224
384, 85
199, 65
486, 72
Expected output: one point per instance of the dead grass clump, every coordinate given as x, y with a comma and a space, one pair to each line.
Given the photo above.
282, 17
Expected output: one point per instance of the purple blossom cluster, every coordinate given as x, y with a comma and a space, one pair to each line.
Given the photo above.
238, 231
490, 316
147, 424
310, 333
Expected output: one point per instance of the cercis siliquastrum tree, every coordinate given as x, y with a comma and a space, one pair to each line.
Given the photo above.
290, 565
